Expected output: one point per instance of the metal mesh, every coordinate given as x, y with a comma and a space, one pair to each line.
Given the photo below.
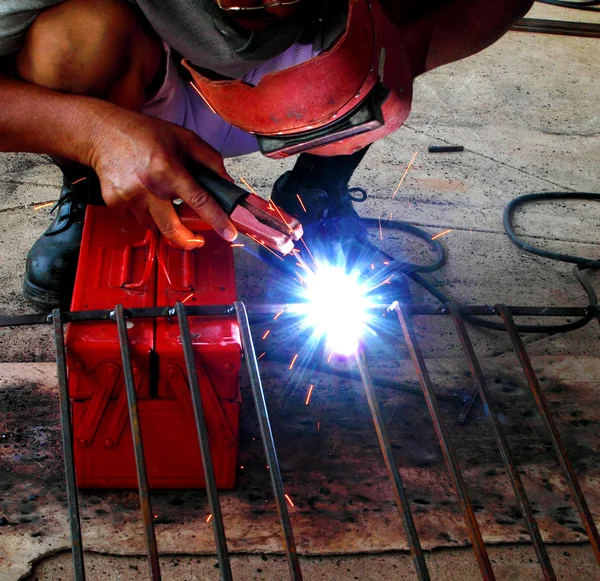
405, 315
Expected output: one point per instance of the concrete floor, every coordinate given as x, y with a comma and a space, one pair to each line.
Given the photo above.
526, 111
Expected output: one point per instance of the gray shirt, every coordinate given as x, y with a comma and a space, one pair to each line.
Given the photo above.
201, 32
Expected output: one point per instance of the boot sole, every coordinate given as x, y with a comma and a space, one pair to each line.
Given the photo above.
43, 299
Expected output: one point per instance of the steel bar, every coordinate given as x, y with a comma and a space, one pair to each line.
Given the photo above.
216, 310
207, 463
388, 456
445, 444
582, 506
138, 448
515, 478
269, 444
67, 442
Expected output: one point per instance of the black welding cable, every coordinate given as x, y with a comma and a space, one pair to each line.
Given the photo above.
510, 208
584, 5
411, 270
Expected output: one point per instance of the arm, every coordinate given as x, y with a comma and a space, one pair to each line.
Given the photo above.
139, 160
449, 31
29, 120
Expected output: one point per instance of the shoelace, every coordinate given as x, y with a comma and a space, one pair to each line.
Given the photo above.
346, 199
77, 208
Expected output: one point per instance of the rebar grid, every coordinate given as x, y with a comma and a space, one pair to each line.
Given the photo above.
405, 314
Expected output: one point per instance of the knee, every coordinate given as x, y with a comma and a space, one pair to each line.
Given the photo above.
86, 47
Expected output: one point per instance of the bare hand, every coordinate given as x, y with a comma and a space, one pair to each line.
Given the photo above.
141, 165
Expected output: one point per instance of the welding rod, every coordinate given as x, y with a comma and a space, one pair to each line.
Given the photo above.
207, 464
267, 437
138, 448
501, 441
67, 441
559, 446
390, 462
446, 444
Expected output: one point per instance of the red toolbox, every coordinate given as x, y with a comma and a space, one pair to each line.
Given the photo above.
122, 263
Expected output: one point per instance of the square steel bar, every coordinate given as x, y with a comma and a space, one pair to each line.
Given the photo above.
392, 468
67, 442
207, 463
138, 447
268, 442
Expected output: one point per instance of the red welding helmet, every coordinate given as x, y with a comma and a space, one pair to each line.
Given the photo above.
349, 96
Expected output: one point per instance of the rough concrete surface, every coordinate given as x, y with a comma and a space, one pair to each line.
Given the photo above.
526, 110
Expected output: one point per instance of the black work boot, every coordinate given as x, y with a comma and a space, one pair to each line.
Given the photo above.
52, 260
316, 191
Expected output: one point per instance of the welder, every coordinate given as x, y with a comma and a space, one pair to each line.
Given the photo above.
123, 94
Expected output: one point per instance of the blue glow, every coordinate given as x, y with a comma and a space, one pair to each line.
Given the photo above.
337, 307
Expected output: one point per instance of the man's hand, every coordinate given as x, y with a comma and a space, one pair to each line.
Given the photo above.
141, 165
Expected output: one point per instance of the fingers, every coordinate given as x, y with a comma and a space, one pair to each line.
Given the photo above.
165, 217
203, 204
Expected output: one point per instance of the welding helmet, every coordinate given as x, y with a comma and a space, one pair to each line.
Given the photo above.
349, 96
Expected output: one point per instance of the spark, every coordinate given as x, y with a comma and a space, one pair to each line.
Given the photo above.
278, 314
276, 207
319, 426
77, 181
372, 267
187, 298
203, 98
329, 358
310, 390
441, 234
237, 245
385, 262
380, 230
43, 205
266, 333
261, 355
209, 517
293, 361
197, 240
265, 246
301, 265
248, 185
287, 497
386, 281
405, 174
307, 250
301, 202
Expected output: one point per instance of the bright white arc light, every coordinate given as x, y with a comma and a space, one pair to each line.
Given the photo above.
337, 307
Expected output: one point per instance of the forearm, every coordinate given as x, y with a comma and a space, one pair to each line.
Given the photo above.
38, 120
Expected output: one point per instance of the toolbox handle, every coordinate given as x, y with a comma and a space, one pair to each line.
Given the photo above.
186, 271
150, 241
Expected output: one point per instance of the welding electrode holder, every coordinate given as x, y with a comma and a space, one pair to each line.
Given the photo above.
227, 194
252, 215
